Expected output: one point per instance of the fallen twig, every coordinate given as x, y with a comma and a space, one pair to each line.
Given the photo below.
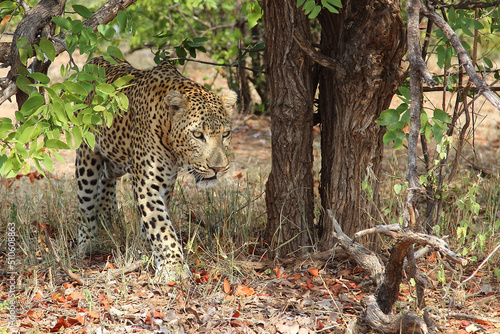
476, 318
66, 270
115, 273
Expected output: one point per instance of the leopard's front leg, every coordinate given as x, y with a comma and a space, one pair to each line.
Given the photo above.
156, 225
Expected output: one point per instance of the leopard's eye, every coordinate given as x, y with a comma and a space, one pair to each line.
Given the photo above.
226, 134
198, 134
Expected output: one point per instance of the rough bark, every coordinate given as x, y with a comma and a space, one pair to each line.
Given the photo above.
365, 42
289, 190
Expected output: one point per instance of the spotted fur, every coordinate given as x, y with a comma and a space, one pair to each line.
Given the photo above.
172, 123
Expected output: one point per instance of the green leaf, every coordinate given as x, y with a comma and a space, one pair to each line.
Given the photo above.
106, 31
122, 101
77, 26
336, 3
122, 81
32, 103
398, 143
105, 88
75, 87
56, 144
451, 14
437, 132
5, 125
47, 162
8, 4
404, 92
488, 62
24, 84
309, 6
48, 49
115, 52
424, 120
121, 19
389, 136
62, 22
253, 18
26, 134
77, 136
42, 78
329, 7
59, 111
388, 117
90, 139
441, 115
300, 3
82, 10
22, 151
315, 12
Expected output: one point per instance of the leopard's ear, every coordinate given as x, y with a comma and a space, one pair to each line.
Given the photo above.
176, 102
229, 99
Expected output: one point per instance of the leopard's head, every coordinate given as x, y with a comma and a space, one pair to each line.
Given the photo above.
200, 132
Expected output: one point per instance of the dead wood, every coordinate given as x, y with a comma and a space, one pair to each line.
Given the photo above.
388, 278
373, 317
66, 270
472, 317
365, 258
116, 273
399, 234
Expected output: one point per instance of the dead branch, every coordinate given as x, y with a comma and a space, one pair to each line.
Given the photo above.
463, 57
377, 308
366, 259
115, 273
66, 270
373, 317
477, 318
399, 234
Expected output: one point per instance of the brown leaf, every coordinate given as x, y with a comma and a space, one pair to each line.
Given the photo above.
314, 272
80, 317
243, 290
58, 297
61, 322
234, 319
38, 295
227, 287
75, 295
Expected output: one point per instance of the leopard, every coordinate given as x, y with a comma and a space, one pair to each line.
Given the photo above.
172, 124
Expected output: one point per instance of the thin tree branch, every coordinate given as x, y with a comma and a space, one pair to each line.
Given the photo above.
317, 56
217, 64
418, 70
463, 57
465, 4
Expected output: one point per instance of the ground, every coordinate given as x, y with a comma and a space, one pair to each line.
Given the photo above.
235, 287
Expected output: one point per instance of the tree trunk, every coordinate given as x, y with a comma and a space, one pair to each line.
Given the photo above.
366, 39
289, 190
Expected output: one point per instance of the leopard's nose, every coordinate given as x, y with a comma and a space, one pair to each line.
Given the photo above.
216, 169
